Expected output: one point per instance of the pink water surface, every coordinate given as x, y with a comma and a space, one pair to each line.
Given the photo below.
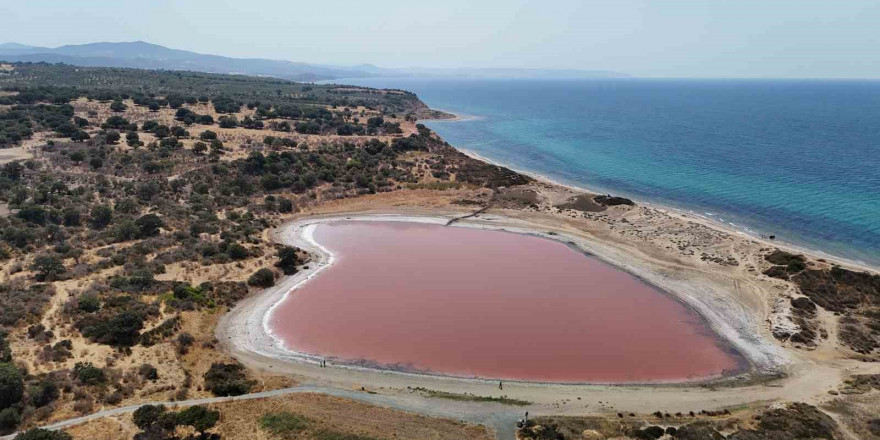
490, 304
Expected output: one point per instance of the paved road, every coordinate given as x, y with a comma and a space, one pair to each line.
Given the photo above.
491, 415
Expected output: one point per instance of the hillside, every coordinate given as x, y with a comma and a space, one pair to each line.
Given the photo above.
143, 55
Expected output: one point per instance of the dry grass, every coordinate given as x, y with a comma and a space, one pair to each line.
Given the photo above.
241, 421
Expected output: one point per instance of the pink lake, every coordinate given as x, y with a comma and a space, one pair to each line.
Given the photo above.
491, 304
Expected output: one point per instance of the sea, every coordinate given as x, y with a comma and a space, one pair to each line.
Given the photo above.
797, 159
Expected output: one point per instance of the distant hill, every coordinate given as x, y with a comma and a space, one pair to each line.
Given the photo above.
143, 55
139, 54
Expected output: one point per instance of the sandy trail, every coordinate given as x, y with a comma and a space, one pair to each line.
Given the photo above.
735, 308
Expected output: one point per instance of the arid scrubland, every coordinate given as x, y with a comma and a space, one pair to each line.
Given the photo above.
135, 211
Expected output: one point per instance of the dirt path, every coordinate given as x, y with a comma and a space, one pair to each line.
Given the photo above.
13, 154
494, 416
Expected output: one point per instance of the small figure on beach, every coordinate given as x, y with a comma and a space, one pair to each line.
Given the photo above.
500, 385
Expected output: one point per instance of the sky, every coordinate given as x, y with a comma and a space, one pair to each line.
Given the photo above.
650, 38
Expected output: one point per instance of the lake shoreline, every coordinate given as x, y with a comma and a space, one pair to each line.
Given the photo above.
284, 313
247, 328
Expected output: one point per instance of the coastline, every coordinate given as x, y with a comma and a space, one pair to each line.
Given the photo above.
682, 213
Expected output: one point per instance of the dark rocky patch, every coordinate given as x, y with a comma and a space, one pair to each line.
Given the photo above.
783, 258
583, 203
613, 201
798, 421
838, 289
777, 272
804, 314
804, 304
698, 431
855, 294
862, 383
650, 433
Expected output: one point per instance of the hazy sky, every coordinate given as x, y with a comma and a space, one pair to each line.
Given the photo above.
665, 38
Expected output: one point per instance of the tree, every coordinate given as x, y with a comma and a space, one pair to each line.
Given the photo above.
125, 230
199, 148
236, 251
101, 216
13, 170
43, 393
285, 205
148, 225
79, 136
72, 217
179, 132
262, 278
207, 135
88, 303
89, 374
150, 125
288, 260
43, 434
112, 137
5, 349
116, 121
132, 139
161, 132
147, 416
48, 267
120, 330
9, 419
11, 385
117, 106
228, 122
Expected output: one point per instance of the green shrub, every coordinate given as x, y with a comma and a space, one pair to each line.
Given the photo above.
147, 415
199, 417
10, 418
288, 260
227, 380
262, 278
88, 303
43, 393
47, 267
5, 349
11, 385
88, 374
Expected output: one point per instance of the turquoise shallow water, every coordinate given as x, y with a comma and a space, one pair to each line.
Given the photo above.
796, 158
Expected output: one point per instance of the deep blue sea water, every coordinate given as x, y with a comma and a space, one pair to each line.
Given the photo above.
796, 158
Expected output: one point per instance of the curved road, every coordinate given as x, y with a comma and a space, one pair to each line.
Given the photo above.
490, 415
